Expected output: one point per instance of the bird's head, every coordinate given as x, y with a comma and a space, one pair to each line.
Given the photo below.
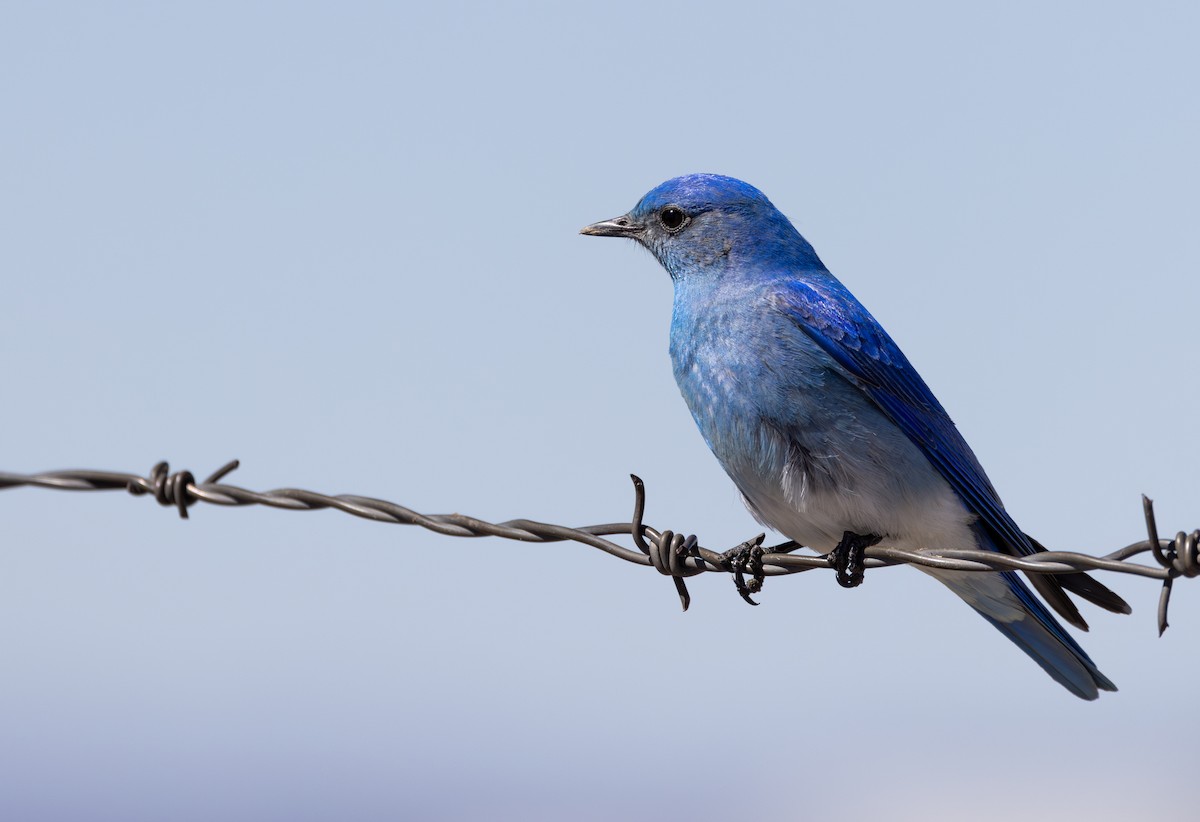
697, 224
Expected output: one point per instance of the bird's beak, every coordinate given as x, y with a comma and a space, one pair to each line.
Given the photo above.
624, 226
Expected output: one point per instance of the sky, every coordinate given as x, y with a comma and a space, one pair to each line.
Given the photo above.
340, 243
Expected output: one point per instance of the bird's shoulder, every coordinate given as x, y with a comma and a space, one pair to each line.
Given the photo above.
826, 310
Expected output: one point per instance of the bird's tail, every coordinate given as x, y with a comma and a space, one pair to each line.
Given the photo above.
1051, 586
1004, 601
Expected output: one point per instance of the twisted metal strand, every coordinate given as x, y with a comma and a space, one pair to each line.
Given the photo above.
1177, 557
669, 552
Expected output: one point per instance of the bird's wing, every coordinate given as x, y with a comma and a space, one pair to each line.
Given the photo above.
850, 335
832, 317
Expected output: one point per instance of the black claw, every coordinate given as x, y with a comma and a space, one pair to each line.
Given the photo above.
747, 557
849, 557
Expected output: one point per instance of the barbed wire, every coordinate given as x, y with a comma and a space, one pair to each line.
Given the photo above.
669, 552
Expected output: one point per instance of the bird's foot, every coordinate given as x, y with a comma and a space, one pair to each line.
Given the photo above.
848, 557
747, 557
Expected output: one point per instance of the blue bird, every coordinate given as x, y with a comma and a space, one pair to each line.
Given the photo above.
825, 427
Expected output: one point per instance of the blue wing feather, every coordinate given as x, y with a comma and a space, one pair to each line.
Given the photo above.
830, 315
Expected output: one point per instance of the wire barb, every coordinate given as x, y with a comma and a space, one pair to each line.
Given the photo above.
668, 552
174, 489
1177, 558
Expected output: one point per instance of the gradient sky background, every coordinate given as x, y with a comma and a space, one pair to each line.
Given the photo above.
338, 242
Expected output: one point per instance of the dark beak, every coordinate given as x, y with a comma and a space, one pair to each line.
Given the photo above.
624, 226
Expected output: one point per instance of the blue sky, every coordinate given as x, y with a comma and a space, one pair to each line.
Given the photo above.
339, 242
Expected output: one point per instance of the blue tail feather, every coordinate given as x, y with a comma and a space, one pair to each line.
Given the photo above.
1069, 666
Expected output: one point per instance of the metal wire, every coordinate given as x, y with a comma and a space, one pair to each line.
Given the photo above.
669, 552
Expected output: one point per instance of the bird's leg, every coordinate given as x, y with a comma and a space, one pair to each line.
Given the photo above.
848, 557
743, 558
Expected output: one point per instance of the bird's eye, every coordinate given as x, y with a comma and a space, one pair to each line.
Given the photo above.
672, 218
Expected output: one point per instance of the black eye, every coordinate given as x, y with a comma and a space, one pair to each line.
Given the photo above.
672, 218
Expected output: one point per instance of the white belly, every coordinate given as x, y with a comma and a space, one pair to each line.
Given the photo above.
879, 484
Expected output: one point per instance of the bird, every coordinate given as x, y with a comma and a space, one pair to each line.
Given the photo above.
827, 430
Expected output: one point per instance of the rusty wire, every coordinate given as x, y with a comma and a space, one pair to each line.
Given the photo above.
669, 552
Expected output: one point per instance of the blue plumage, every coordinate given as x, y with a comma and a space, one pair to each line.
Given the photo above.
820, 419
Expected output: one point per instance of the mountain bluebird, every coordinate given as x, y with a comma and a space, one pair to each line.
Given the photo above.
829, 433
